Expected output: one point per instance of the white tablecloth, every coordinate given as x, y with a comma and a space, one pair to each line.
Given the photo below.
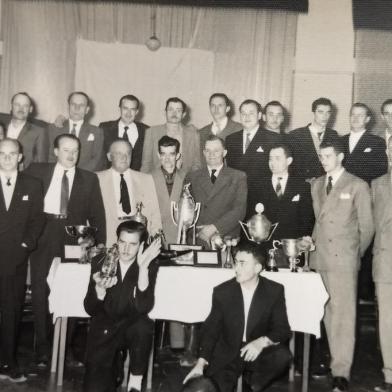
185, 293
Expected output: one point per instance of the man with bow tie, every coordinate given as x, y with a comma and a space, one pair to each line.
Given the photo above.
248, 150
21, 223
91, 154
342, 232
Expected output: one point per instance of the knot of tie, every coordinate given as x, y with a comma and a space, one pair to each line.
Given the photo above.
213, 176
8, 181
125, 135
329, 185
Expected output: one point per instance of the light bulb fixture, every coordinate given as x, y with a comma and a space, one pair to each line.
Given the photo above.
153, 43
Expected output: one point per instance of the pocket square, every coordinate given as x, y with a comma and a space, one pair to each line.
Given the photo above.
260, 149
296, 197
25, 197
345, 196
91, 137
368, 149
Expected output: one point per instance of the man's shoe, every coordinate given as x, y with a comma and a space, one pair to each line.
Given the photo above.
133, 390
339, 384
12, 374
42, 361
384, 387
321, 372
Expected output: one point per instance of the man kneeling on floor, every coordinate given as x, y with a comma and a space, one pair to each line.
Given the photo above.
119, 308
246, 328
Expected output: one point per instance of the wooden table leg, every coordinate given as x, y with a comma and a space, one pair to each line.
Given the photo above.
63, 338
55, 349
292, 349
150, 365
305, 366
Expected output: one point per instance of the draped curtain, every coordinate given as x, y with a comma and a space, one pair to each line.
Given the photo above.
253, 49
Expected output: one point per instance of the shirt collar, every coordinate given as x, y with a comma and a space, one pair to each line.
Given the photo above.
335, 176
60, 169
221, 124
284, 177
252, 131
218, 170
12, 176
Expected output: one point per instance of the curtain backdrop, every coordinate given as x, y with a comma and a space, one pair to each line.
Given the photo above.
253, 49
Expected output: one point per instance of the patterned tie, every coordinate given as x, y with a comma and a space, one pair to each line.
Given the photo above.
213, 176
329, 185
125, 135
278, 189
73, 130
8, 181
247, 141
320, 135
64, 194
124, 196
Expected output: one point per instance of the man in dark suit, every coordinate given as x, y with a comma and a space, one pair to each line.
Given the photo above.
273, 117
91, 155
119, 308
21, 223
247, 327
221, 191
248, 150
126, 128
33, 138
364, 153
72, 197
386, 114
286, 199
305, 142
222, 125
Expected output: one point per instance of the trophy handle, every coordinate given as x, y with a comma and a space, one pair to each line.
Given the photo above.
275, 225
275, 243
244, 229
197, 213
173, 209
70, 231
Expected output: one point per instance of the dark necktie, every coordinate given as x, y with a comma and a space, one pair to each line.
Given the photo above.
213, 176
8, 181
64, 194
125, 135
278, 189
73, 130
124, 196
329, 185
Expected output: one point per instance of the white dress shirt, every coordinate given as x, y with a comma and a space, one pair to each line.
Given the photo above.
132, 132
53, 195
124, 267
8, 190
251, 133
247, 295
13, 132
216, 172
78, 125
335, 177
283, 181
117, 191
314, 132
354, 138
218, 126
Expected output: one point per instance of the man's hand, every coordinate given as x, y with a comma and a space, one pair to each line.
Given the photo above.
206, 232
102, 284
197, 370
253, 349
144, 258
59, 121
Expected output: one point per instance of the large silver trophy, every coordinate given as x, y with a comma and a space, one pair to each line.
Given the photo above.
86, 239
258, 227
185, 214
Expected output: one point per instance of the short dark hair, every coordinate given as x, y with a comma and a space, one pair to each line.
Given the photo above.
132, 226
273, 103
199, 384
285, 147
24, 94
220, 95
212, 138
321, 101
256, 250
385, 103
129, 97
79, 93
363, 106
176, 100
252, 102
167, 141
57, 140
335, 143
15, 142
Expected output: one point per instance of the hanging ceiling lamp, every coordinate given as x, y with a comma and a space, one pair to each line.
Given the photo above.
153, 43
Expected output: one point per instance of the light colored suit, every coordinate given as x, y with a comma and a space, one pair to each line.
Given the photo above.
164, 200
382, 265
190, 148
141, 189
343, 231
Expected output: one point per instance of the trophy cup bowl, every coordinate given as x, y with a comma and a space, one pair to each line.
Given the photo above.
291, 250
86, 239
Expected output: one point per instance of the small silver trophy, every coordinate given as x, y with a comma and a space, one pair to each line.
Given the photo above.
139, 217
86, 240
258, 227
110, 262
185, 214
229, 242
291, 250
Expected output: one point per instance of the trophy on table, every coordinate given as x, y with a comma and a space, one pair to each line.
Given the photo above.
185, 214
86, 239
139, 217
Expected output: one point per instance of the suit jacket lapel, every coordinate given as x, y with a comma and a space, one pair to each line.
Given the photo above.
205, 182
75, 191
47, 177
17, 195
221, 181
24, 131
84, 132
385, 192
2, 199
256, 308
